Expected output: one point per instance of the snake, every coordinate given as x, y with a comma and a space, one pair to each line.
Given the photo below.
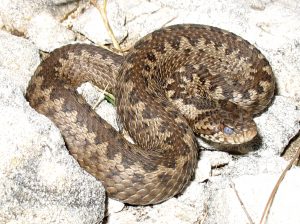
174, 84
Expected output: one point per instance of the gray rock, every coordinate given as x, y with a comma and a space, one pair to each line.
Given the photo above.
181, 210
91, 25
40, 181
147, 22
135, 9
254, 191
60, 2
114, 206
47, 33
19, 59
96, 99
217, 159
17, 14
277, 126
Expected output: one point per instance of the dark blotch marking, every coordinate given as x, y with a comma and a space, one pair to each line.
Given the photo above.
81, 118
164, 103
217, 45
141, 44
134, 98
148, 114
163, 127
228, 51
192, 40
212, 88
147, 68
246, 95
169, 141
266, 77
113, 148
187, 166
201, 52
170, 163
97, 140
187, 51
137, 178
184, 127
145, 125
164, 177
259, 89
208, 41
175, 42
151, 57
160, 48
203, 70
127, 76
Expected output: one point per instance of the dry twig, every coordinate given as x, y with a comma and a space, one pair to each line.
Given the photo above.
241, 202
263, 219
103, 13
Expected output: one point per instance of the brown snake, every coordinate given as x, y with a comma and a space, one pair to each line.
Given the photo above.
175, 81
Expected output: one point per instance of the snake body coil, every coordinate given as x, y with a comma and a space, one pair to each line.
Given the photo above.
174, 81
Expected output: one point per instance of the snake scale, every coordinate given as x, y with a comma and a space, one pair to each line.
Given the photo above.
174, 82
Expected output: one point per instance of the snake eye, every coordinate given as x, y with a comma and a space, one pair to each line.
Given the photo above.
228, 131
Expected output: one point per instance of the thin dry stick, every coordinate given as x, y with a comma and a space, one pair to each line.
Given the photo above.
241, 202
103, 13
263, 219
203, 219
106, 94
70, 13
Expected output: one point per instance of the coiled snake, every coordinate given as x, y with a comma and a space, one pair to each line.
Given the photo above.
175, 81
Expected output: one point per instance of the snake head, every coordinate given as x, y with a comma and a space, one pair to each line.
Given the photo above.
226, 124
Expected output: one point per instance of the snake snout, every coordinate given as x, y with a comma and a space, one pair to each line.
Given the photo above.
243, 126
227, 127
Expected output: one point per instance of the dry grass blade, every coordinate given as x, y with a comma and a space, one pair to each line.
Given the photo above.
241, 202
263, 219
103, 13
107, 96
65, 17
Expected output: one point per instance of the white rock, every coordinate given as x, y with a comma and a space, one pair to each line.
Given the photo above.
114, 206
60, 2
258, 4
91, 25
203, 170
254, 191
19, 59
106, 110
108, 113
277, 126
47, 33
40, 181
147, 23
171, 211
135, 9
216, 159
16, 14
252, 165
91, 94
